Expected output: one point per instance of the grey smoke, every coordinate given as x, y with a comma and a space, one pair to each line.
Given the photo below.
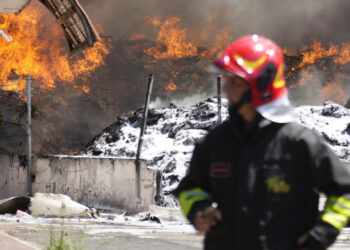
289, 22
310, 92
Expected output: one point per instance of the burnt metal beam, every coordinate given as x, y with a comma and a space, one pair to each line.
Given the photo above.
139, 146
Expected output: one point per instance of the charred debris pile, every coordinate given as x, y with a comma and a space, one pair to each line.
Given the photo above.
172, 132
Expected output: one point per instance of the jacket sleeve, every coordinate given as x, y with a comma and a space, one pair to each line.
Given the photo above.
193, 190
331, 177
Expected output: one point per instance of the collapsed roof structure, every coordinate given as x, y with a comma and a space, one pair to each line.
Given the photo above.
79, 31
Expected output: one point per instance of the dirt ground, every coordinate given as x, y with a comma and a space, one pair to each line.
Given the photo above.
125, 234
114, 232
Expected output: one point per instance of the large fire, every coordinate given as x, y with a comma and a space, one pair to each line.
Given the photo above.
173, 38
339, 54
172, 41
324, 67
173, 45
38, 48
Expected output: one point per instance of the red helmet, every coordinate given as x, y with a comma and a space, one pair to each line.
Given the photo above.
260, 62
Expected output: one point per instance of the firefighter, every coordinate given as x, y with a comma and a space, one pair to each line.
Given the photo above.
254, 182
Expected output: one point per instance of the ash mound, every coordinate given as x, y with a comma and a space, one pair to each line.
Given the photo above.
332, 122
172, 132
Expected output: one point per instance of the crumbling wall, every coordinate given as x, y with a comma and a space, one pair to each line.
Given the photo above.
94, 182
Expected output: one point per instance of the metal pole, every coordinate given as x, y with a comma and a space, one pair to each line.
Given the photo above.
219, 98
29, 132
137, 162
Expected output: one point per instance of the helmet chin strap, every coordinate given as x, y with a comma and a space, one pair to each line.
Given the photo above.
246, 98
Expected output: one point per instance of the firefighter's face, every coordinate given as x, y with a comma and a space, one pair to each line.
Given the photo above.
234, 87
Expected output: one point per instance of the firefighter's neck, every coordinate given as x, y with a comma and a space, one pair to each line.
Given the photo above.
248, 113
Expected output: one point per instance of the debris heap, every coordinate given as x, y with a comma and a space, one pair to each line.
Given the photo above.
172, 132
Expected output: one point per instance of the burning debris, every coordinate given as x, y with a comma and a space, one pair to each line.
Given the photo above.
316, 74
83, 93
172, 132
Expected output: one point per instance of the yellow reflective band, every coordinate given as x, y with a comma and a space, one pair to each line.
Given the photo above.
278, 82
188, 197
342, 200
336, 220
252, 65
338, 208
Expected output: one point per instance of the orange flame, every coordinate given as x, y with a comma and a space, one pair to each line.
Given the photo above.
171, 86
173, 39
38, 48
344, 54
339, 54
86, 89
317, 53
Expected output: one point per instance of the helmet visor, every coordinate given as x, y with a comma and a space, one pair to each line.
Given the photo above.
278, 111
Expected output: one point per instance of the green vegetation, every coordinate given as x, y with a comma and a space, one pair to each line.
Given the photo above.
64, 242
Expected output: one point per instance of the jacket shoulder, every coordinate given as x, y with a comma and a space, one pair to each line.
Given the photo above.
296, 130
221, 129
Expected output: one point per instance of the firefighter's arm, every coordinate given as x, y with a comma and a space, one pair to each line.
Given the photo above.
198, 207
332, 178
193, 191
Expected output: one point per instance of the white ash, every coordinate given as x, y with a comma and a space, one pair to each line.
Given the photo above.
171, 133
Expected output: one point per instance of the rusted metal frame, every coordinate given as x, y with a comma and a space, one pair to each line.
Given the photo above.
51, 5
69, 13
69, 33
80, 26
77, 33
65, 6
74, 24
85, 22
70, 22
74, 38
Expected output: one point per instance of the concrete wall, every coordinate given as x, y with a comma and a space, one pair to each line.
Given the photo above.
95, 182
13, 176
